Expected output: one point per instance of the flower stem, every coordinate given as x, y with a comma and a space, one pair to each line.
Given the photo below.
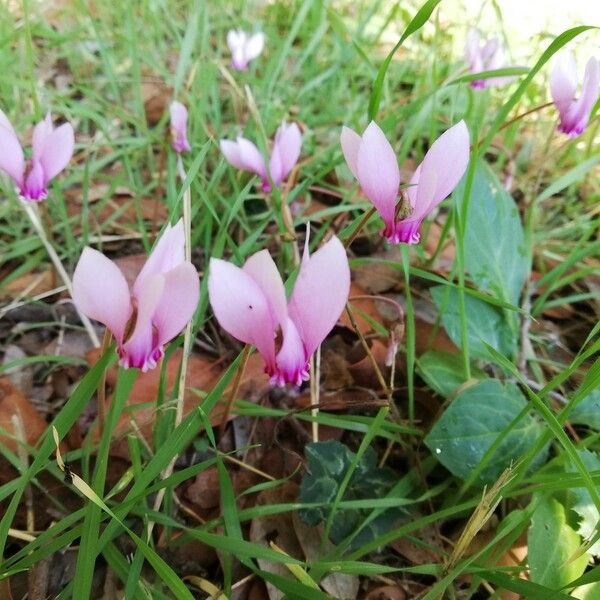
31, 212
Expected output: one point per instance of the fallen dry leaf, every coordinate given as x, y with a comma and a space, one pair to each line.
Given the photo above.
386, 592
13, 403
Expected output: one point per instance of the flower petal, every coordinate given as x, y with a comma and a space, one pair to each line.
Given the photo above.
177, 303
167, 254
57, 151
350, 141
100, 291
589, 93
563, 79
4, 122
142, 349
441, 169
40, 135
251, 157
179, 116
378, 171
286, 151
254, 45
473, 49
12, 161
242, 309
292, 360
262, 269
320, 293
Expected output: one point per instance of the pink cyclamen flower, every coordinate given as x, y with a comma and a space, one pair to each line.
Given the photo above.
52, 150
179, 116
250, 304
160, 304
487, 56
244, 47
244, 155
373, 162
574, 112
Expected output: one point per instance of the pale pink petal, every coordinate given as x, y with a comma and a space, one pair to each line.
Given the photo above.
251, 157
292, 360
286, 151
442, 168
178, 302
378, 172
589, 93
4, 122
100, 291
262, 269
563, 79
489, 52
167, 254
254, 45
235, 38
179, 116
473, 48
57, 151
39, 138
35, 183
12, 161
242, 309
231, 152
142, 349
320, 293
350, 141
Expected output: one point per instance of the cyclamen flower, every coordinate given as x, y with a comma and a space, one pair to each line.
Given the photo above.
487, 57
179, 116
52, 150
574, 112
250, 304
142, 320
244, 155
373, 162
244, 47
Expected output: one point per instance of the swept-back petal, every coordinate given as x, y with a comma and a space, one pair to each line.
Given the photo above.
177, 303
167, 254
350, 141
472, 47
292, 360
263, 270
441, 169
12, 161
57, 151
286, 151
231, 152
378, 172
320, 293
4, 122
235, 38
100, 291
39, 138
142, 349
589, 93
251, 157
242, 309
179, 116
563, 79
254, 45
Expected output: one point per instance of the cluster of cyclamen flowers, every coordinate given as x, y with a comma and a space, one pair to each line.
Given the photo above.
250, 301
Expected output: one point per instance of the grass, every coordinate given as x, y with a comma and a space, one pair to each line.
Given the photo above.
104, 66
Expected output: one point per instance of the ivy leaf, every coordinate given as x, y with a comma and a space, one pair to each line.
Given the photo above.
552, 544
328, 463
473, 422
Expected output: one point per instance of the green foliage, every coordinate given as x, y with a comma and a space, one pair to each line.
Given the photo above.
552, 544
587, 412
328, 463
474, 421
496, 256
486, 324
443, 372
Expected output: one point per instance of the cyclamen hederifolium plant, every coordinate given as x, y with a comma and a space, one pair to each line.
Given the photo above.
320, 317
